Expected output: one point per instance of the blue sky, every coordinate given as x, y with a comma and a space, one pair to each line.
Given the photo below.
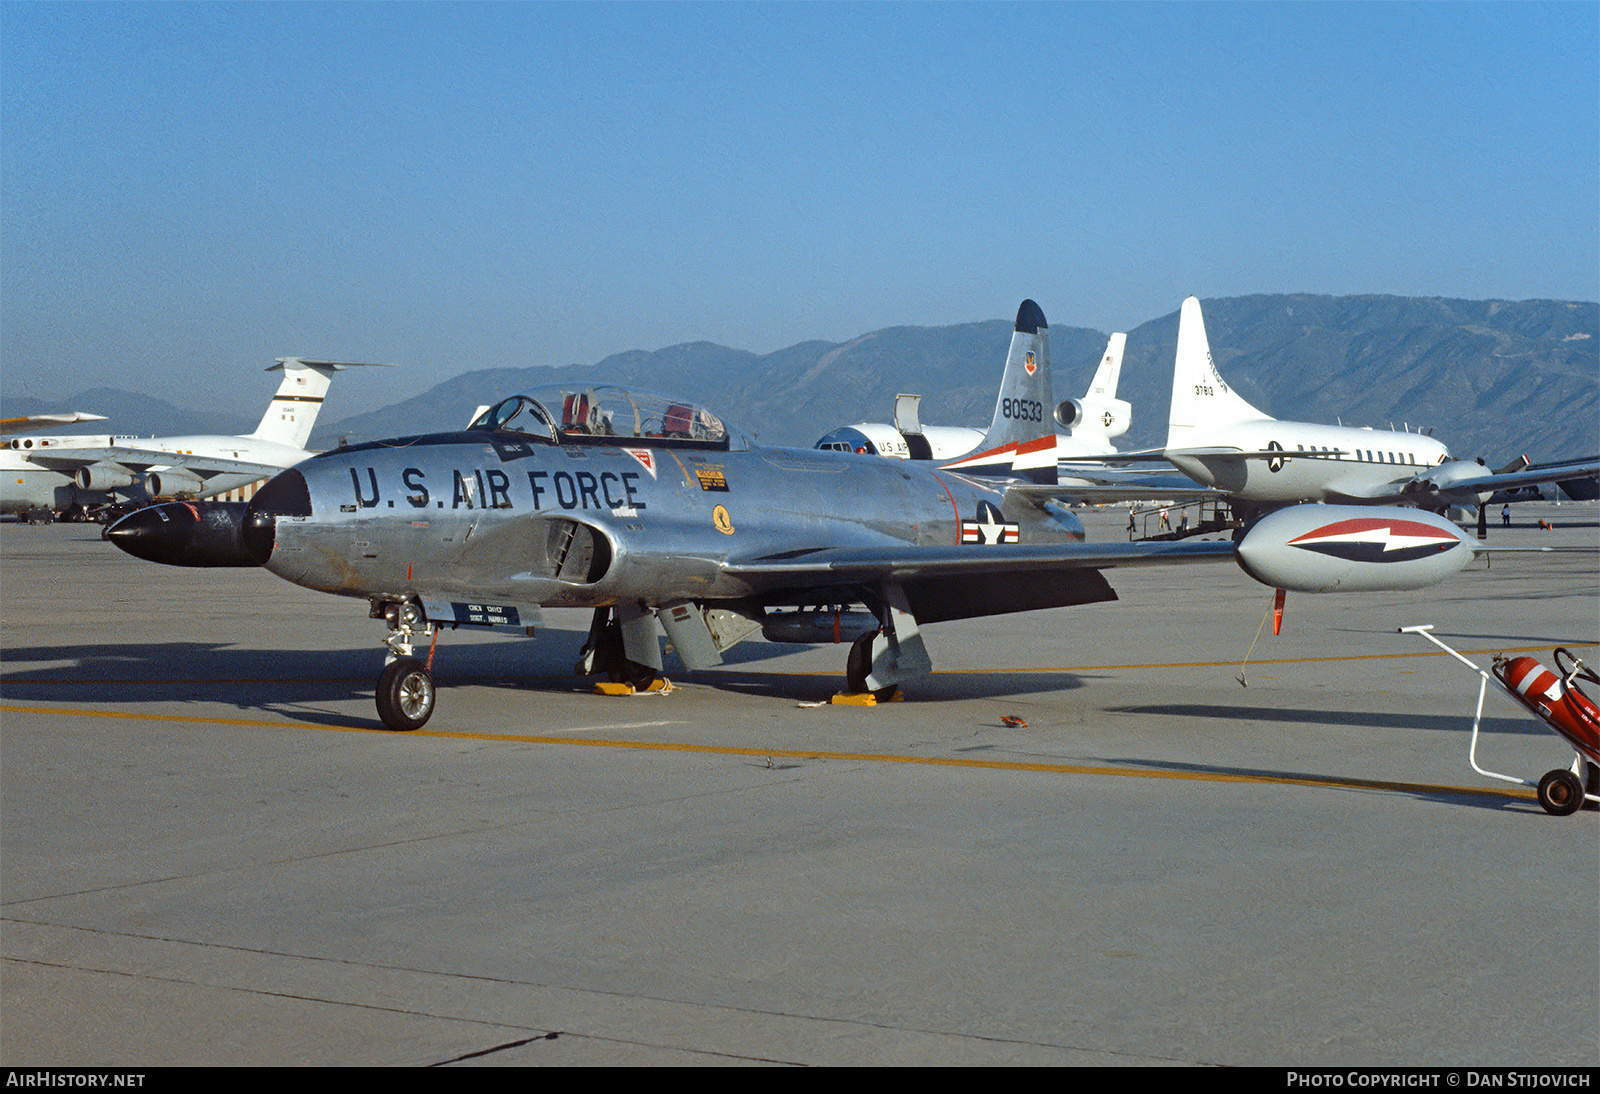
189, 191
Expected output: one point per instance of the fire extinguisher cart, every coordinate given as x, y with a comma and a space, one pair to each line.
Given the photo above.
1554, 697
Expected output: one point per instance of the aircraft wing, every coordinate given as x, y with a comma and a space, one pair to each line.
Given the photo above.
141, 459
1464, 482
1149, 455
29, 422
829, 565
1082, 484
959, 582
1137, 455
964, 582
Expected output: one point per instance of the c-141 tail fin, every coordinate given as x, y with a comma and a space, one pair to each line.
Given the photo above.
293, 410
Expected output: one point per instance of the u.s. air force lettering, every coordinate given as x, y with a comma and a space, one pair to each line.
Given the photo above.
491, 488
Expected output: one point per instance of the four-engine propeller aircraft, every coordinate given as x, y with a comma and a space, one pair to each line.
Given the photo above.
652, 512
1258, 462
54, 473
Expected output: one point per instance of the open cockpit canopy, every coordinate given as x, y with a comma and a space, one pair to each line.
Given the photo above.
607, 414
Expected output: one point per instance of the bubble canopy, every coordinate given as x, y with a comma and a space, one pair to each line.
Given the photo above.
608, 414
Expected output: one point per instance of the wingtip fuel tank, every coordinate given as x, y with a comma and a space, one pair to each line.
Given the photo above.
1352, 548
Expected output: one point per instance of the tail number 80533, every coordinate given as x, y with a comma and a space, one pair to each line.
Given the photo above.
1022, 410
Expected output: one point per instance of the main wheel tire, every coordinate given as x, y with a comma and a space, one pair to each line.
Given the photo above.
858, 666
405, 694
1560, 793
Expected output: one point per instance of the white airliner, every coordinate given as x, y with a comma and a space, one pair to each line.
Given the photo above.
1221, 441
39, 475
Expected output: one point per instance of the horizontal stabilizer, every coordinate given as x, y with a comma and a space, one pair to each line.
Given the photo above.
291, 363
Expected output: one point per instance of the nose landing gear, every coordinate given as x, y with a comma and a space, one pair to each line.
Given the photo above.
405, 695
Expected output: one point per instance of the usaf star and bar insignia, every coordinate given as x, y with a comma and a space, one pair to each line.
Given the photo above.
990, 527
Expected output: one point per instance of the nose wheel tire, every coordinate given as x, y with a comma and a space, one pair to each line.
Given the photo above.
405, 694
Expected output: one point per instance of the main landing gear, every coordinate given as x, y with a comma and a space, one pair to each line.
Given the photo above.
858, 666
614, 633
405, 686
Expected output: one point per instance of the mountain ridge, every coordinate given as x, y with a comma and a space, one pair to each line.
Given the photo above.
1494, 378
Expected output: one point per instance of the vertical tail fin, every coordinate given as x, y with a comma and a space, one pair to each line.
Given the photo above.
1025, 404
1099, 415
1201, 401
293, 410
1104, 384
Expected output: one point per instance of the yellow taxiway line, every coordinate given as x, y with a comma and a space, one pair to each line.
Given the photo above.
860, 757
1339, 782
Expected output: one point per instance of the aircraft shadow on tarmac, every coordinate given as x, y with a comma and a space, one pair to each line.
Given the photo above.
279, 680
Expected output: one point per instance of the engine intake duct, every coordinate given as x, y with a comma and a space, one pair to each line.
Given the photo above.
575, 552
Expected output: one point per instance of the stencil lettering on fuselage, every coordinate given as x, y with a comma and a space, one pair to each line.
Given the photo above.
603, 491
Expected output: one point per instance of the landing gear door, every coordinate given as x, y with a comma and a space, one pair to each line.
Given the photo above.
686, 629
523, 618
898, 653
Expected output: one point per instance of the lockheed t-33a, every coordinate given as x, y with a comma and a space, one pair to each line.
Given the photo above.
654, 513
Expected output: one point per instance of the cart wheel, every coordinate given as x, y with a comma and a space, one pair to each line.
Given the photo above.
1560, 793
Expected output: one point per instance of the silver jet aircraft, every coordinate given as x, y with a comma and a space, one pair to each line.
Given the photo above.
655, 514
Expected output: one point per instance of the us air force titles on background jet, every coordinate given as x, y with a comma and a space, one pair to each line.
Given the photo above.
45, 474
656, 515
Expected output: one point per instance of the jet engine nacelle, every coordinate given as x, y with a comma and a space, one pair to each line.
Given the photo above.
935, 442
171, 482
867, 439
1103, 417
103, 476
1347, 548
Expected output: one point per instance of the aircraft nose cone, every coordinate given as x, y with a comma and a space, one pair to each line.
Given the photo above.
159, 533
202, 533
